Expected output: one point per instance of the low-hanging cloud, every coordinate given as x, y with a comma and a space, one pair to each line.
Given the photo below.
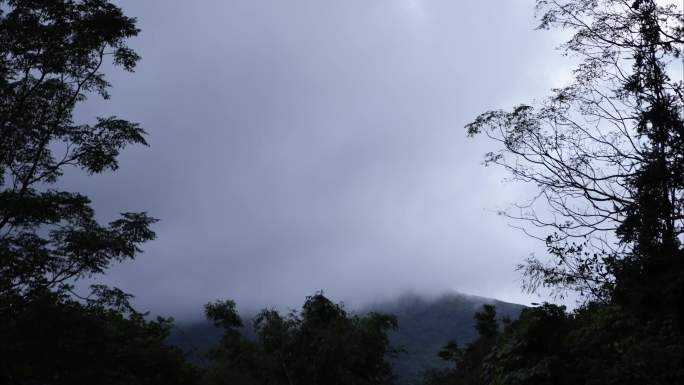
311, 144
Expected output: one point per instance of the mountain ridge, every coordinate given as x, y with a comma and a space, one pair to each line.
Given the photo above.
426, 323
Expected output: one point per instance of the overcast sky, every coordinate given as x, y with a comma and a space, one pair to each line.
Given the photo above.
319, 144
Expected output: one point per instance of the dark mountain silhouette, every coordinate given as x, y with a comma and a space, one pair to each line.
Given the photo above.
425, 326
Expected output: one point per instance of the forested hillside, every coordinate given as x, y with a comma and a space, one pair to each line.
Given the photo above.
605, 152
425, 324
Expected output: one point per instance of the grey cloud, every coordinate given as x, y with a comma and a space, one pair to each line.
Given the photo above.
308, 145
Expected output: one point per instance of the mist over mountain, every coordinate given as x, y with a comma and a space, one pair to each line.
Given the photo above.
426, 323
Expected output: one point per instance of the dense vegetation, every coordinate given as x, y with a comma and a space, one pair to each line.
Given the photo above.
52, 330
424, 324
51, 56
322, 344
606, 152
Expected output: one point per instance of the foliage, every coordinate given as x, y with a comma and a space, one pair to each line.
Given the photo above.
51, 339
52, 53
424, 324
606, 153
597, 344
322, 344
606, 150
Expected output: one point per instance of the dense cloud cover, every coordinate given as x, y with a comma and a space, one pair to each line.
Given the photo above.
306, 145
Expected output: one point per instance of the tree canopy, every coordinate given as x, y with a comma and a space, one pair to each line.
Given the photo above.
606, 154
605, 150
52, 55
321, 344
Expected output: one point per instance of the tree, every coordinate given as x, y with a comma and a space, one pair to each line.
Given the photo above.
485, 322
322, 344
606, 151
468, 364
234, 359
53, 339
52, 53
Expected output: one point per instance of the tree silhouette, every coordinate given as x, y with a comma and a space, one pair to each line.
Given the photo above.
322, 344
52, 53
605, 151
